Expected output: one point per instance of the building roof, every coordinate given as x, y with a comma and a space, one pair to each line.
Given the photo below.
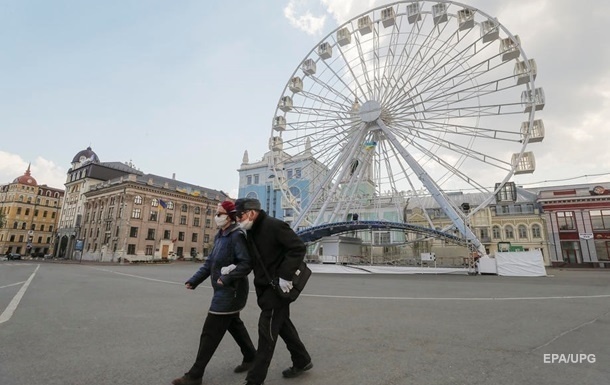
88, 153
26, 178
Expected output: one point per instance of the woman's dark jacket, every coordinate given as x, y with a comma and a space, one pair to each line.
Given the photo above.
281, 251
229, 248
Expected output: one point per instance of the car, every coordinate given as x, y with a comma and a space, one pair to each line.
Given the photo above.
12, 256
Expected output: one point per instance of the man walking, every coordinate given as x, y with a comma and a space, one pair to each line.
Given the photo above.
272, 243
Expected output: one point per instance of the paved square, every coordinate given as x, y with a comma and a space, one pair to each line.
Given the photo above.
112, 324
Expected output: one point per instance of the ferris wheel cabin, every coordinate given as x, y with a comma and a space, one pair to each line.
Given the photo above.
535, 132
413, 13
526, 164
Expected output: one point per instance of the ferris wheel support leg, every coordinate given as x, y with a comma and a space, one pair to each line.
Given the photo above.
431, 186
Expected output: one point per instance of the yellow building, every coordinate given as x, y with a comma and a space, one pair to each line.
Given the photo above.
31, 214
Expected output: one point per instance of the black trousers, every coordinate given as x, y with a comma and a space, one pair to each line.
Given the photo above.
272, 323
214, 328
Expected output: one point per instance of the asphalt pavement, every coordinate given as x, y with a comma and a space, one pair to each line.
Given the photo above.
137, 324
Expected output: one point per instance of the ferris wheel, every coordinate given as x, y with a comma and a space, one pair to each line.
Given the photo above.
409, 99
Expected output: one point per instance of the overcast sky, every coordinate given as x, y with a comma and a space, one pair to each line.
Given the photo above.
186, 87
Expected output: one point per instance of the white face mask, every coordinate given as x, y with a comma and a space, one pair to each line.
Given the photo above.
246, 224
222, 220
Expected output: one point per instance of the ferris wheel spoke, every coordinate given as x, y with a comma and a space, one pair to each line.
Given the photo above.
460, 129
331, 89
325, 101
336, 172
350, 69
363, 67
463, 78
408, 70
456, 148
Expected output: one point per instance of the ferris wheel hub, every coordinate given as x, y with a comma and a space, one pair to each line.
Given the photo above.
370, 111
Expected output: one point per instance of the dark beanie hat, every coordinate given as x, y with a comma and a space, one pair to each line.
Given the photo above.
244, 204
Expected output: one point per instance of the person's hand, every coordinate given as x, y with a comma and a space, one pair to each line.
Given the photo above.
285, 285
189, 286
219, 281
227, 269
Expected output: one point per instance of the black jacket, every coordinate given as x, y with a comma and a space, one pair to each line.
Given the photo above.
280, 250
229, 248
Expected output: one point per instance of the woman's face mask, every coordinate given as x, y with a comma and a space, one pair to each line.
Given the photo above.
221, 220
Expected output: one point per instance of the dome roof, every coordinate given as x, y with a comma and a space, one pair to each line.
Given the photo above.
84, 155
26, 178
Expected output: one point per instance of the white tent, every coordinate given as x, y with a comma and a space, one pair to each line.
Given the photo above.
514, 264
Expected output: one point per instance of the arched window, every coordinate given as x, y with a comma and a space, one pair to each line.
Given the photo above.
197, 210
252, 195
48, 193
170, 205
509, 232
137, 200
41, 227
29, 199
522, 229
536, 231
20, 198
23, 226
15, 225
496, 233
184, 208
154, 202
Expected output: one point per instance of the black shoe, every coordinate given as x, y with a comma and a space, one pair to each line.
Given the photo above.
187, 380
243, 367
292, 371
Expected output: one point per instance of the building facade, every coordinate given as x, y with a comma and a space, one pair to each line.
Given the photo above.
146, 217
31, 215
578, 224
86, 171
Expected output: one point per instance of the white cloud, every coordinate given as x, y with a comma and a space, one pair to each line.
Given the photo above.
43, 170
304, 19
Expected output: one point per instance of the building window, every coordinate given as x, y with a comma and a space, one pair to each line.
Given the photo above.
600, 219
137, 200
194, 237
602, 248
496, 232
484, 232
170, 205
196, 221
153, 216
149, 250
41, 227
181, 236
184, 208
206, 238
297, 173
536, 231
183, 219
36, 212
167, 234
53, 215
249, 180
509, 232
256, 178
44, 214
522, 230
565, 220
151, 234
208, 223
136, 213
289, 173
197, 210
131, 249
133, 232
154, 202
27, 211
169, 218
570, 251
